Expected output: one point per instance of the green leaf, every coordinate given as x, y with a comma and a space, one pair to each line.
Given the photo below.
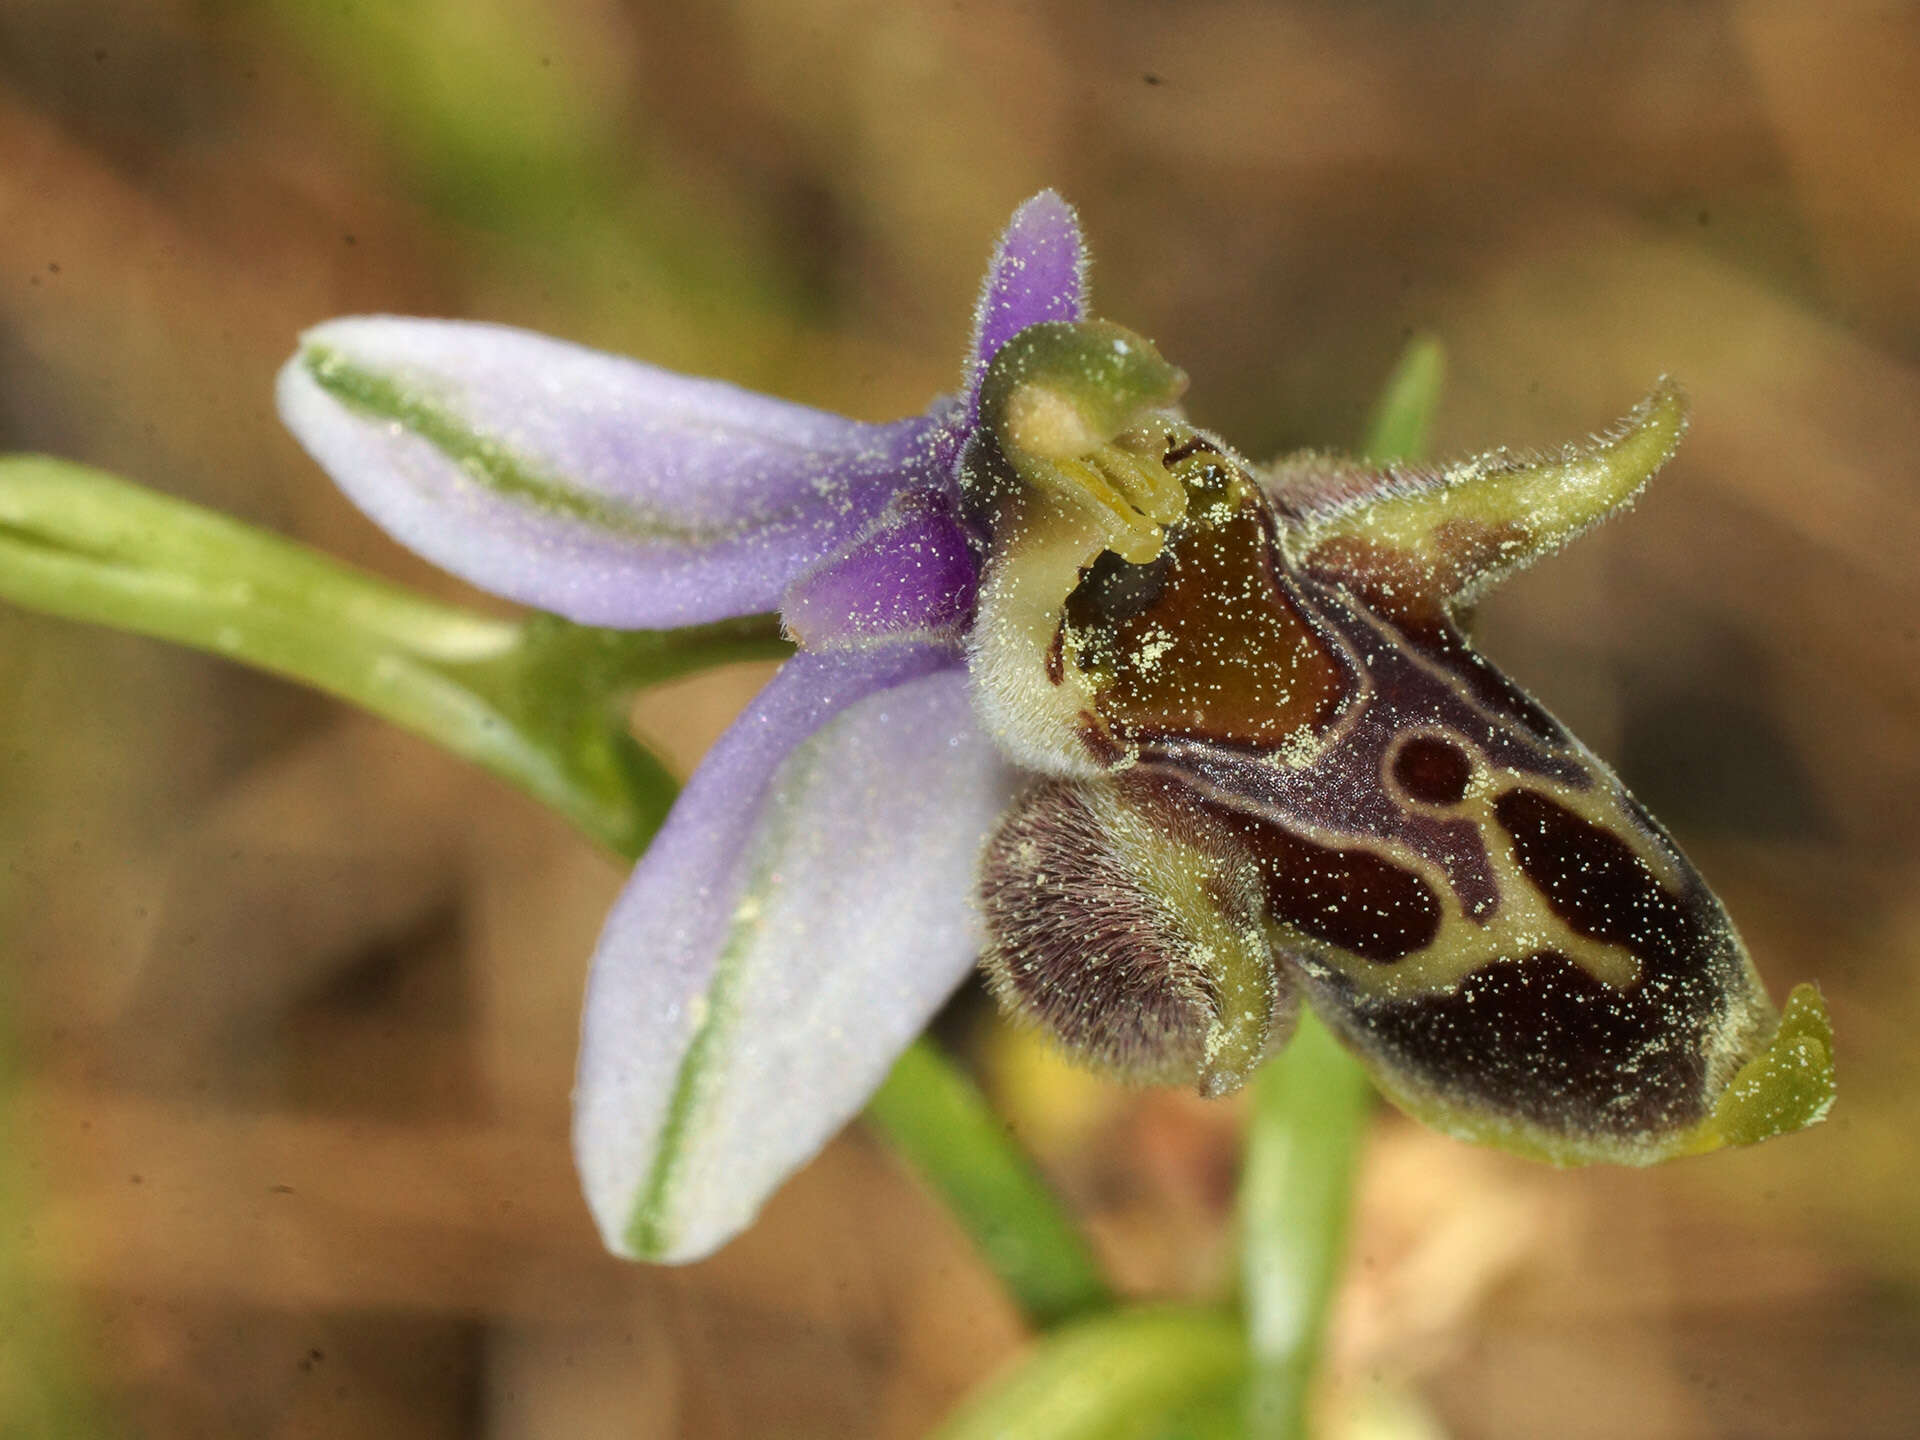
1146, 1374
1402, 422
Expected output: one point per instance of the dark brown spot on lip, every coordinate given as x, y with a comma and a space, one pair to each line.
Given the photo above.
1349, 898
1221, 649
1540, 1039
1537, 1036
1592, 879
1432, 770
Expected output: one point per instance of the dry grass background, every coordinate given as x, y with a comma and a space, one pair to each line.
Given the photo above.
291, 997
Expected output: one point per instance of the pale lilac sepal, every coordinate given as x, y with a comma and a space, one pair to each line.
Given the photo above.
798, 921
912, 573
1038, 273
606, 490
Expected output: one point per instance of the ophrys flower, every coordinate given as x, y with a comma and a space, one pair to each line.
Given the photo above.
1174, 741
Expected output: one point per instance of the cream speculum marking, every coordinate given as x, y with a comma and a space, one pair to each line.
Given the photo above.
1274, 768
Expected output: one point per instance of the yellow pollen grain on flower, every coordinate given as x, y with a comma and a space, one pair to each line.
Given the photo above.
1301, 747
1153, 649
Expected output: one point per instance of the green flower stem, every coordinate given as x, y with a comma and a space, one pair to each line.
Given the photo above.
536, 701
1309, 1110
1310, 1104
566, 687
936, 1117
1120, 1376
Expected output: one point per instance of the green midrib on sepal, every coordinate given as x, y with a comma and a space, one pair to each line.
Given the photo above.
487, 461
651, 1231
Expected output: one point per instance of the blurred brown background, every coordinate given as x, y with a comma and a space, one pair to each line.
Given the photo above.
289, 998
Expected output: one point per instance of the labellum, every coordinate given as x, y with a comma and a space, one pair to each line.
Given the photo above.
1273, 767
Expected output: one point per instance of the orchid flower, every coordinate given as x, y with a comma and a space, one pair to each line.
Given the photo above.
1171, 741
